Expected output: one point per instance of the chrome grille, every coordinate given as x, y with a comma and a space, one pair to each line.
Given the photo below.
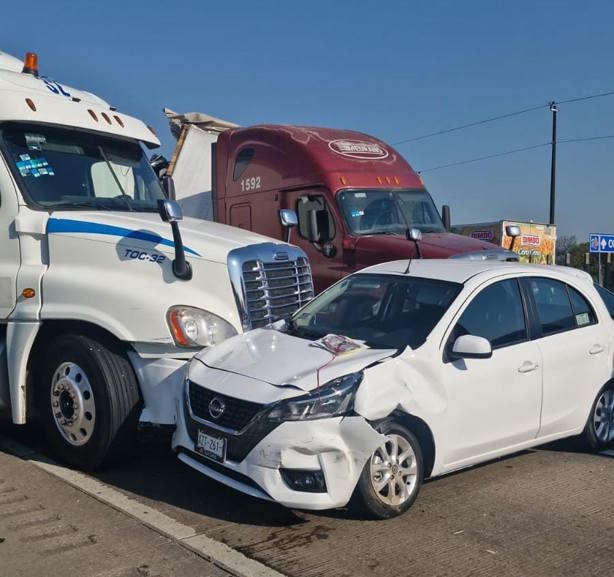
270, 282
274, 290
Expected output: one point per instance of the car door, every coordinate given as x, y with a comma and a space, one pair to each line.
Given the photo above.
574, 347
494, 403
9, 244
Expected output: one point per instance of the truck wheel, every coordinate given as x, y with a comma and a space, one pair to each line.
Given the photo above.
598, 433
87, 401
391, 478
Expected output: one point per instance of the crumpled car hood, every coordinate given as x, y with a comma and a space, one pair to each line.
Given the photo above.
279, 359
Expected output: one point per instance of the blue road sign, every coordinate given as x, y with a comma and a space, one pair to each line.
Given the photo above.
601, 242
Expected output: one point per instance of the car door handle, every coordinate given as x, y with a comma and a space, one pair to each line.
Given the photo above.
595, 350
528, 367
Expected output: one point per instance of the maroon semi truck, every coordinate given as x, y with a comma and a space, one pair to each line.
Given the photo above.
355, 197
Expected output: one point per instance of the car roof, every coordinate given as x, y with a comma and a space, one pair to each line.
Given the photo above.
459, 270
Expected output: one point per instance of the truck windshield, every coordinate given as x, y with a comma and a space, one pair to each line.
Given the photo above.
64, 169
385, 311
380, 211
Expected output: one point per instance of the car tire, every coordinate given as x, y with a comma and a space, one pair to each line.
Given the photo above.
392, 476
88, 401
598, 434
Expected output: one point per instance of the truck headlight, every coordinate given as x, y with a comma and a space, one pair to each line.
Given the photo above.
192, 327
332, 399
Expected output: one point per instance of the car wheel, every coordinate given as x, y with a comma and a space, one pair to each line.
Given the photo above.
599, 430
87, 401
391, 478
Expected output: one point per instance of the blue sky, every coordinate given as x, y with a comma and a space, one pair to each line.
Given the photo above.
392, 69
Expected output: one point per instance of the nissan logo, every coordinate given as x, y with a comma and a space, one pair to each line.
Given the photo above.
216, 407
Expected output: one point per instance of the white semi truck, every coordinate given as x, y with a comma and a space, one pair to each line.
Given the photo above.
101, 301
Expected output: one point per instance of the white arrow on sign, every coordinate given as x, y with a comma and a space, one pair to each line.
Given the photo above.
603, 244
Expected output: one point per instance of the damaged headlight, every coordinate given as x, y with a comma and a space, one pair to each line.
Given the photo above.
332, 399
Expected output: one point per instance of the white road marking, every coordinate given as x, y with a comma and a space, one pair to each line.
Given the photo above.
206, 547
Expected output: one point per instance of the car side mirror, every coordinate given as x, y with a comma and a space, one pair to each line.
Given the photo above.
471, 347
168, 187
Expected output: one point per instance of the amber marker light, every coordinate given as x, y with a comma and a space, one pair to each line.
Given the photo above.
92, 114
379, 180
175, 325
343, 180
30, 64
118, 120
396, 180
28, 293
31, 104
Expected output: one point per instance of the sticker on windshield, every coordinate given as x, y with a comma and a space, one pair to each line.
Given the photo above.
35, 167
356, 212
35, 141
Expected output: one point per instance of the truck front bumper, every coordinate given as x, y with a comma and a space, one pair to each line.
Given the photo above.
336, 449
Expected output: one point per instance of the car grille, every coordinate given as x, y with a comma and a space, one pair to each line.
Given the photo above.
237, 413
274, 290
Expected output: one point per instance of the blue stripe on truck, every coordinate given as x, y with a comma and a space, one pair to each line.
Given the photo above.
59, 225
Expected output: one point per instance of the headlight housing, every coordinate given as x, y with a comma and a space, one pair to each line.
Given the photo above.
332, 399
195, 328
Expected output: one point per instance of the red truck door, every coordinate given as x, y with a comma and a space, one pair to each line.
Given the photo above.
326, 257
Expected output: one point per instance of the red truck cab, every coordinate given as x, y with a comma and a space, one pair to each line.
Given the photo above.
355, 197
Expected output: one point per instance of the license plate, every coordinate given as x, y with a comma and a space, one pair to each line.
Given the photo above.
212, 447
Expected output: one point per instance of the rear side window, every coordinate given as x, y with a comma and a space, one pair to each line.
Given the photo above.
608, 298
496, 313
553, 305
583, 311
242, 161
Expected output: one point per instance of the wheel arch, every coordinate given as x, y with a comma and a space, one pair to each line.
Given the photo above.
424, 434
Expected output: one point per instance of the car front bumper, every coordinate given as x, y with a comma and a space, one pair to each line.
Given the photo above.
338, 447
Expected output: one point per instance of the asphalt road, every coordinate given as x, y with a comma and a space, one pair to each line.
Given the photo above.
542, 512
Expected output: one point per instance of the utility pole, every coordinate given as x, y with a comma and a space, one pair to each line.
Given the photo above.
554, 110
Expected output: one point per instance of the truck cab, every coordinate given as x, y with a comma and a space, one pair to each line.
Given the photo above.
96, 323
355, 197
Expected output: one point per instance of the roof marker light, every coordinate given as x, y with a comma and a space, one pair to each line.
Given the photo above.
31, 104
152, 131
30, 64
396, 180
342, 180
118, 120
92, 114
106, 117
379, 180
388, 181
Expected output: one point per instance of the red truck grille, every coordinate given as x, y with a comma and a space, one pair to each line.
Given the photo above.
274, 290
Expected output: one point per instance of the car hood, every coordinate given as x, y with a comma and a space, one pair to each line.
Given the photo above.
283, 360
204, 239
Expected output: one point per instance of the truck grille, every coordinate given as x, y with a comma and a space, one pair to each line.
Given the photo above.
236, 415
274, 290
270, 282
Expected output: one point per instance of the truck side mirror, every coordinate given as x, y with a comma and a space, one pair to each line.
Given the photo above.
170, 211
319, 226
168, 187
288, 220
445, 217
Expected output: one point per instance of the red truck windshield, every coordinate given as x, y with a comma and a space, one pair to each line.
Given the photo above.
380, 211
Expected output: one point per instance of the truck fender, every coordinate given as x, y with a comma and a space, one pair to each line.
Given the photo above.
19, 340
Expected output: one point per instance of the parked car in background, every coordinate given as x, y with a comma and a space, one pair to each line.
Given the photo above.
401, 372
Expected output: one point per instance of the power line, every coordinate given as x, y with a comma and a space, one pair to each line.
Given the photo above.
502, 116
514, 151
477, 123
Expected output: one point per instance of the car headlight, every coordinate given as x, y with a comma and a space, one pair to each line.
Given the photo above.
332, 399
192, 327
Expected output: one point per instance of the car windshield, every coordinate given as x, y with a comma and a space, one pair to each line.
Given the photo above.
64, 169
389, 211
385, 311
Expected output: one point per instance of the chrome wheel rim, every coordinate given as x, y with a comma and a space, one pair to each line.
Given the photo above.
394, 471
603, 418
72, 404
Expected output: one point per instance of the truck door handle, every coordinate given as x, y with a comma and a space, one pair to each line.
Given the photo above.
595, 350
528, 367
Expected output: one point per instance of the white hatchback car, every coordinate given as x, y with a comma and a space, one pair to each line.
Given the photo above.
454, 363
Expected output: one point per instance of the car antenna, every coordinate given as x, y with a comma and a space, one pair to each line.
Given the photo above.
415, 235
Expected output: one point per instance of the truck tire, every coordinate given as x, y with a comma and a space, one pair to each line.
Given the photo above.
391, 478
87, 400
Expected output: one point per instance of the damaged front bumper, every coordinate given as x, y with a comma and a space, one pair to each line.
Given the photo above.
263, 462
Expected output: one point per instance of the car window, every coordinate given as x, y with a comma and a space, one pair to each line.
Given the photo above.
583, 311
608, 298
496, 313
553, 305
